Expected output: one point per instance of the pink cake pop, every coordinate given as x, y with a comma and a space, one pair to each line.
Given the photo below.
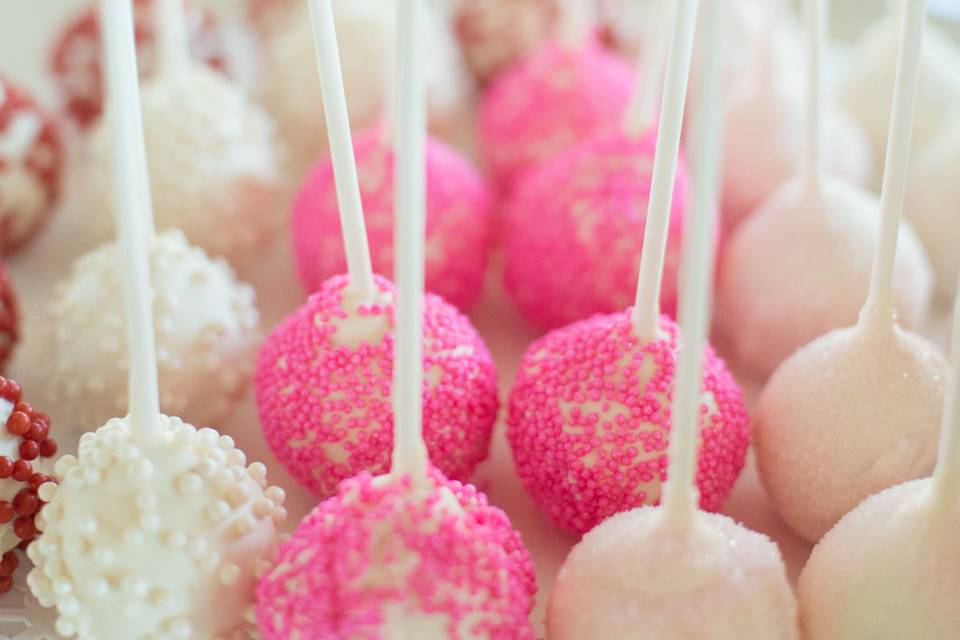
322, 377
459, 218
569, 89
31, 162
589, 418
409, 554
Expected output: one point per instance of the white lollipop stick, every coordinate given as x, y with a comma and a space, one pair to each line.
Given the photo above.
646, 310
172, 33
879, 305
577, 20
680, 495
814, 13
134, 213
947, 474
352, 223
409, 450
642, 111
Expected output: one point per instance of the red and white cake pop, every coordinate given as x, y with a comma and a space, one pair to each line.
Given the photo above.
674, 572
322, 377
156, 529
31, 163
856, 410
409, 554
589, 419
75, 60
9, 316
459, 219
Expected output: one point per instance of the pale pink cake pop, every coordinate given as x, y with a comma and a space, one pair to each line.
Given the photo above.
547, 103
323, 387
589, 421
459, 219
388, 559
574, 226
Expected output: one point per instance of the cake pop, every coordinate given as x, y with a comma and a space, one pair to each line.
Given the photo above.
569, 89
321, 381
932, 206
800, 265
213, 155
31, 162
887, 569
409, 554
75, 59
9, 316
856, 410
459, 219
156, 528
674, 572
589, 419
367, 31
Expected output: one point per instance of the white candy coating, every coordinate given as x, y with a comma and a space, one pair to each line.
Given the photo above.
638, 575
889, 569
206, 326
157, 543
213, 162
800, 267
856, 411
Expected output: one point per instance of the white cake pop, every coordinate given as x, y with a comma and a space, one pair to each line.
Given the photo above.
856, 410
156, 529
212, 153
674, 572
933, 206
800, 265
367, 31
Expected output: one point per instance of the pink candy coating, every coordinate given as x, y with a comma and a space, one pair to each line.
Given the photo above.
547, 103
459, 219
573, 230
326, 409
471, 566
589, 421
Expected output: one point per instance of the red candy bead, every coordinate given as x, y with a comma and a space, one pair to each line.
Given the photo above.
9, 564
29, 450
7, 512
26, 503
6, 467
22, 470
18, 423
24, 528
6, 583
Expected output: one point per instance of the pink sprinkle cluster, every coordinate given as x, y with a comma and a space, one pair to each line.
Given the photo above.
574, 227
459, 219
469, 564
589, 421
547, 103
326, 410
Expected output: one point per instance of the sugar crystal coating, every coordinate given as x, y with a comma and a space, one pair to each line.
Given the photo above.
589, 421
386, 560
323, 381
459, 219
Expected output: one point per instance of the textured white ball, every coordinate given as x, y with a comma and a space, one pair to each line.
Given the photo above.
154, 541
800, 267
890, 569
213, 163
852, 413
636, 575
933, 207
206, 328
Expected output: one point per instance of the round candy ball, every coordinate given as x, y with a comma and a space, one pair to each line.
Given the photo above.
206, 329
855, 411
589, 421
156, 538
31, 164
887, 570
641, 575
323, 383
214, 165
76, 65
386, 558
800, 267
547, 103
9, 316
573, 229
459, 219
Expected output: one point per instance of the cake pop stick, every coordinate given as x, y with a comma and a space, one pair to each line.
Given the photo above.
173, 34
578, 19
814, 15
880, 302
642, 110
646, 311
946, 475
356, 248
